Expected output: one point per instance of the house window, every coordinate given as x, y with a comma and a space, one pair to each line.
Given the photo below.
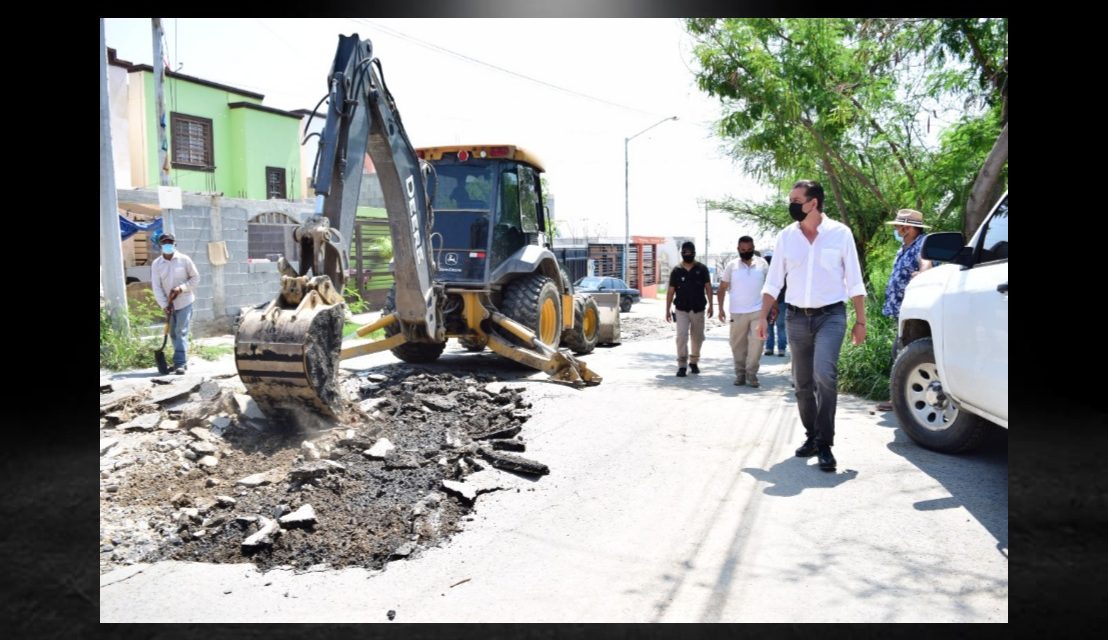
192, 142
274, 183
269, 235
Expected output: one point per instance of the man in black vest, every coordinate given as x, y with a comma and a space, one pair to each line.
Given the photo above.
691, 286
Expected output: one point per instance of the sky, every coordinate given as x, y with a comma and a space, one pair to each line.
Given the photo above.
568, 90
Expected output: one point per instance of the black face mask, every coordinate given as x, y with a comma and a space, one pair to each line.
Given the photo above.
796, 212
746, 255
688, 257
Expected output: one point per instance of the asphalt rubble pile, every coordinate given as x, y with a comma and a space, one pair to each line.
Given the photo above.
190, 469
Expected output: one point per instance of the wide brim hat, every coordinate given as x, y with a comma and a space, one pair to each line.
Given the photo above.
909, 218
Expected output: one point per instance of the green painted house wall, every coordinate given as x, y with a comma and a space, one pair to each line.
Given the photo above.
244, 141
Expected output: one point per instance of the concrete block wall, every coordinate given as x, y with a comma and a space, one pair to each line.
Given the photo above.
223, 290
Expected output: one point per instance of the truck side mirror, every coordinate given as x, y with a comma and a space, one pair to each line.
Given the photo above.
942, 246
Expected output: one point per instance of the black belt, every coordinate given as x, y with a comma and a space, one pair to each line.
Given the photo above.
817, 310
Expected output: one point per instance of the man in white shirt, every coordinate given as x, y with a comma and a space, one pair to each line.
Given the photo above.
174, 278
817, 258
744, 277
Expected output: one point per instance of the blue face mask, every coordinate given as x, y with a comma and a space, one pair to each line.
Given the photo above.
167, 249
896, 232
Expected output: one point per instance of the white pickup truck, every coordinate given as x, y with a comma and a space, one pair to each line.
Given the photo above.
952, 371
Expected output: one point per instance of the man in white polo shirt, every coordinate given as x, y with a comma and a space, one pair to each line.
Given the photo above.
744, 277
817, 258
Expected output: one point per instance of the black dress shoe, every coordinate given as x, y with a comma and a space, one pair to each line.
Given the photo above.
693, 368
807, 450
681, 372
826, 460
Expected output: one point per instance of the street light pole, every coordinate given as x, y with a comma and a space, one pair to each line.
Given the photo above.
626, 199
705, 229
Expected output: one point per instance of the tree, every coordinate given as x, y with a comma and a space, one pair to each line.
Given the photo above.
983, 44
850, 102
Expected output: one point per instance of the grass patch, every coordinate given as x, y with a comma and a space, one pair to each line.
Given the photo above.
864, 370
211, 352
349, 328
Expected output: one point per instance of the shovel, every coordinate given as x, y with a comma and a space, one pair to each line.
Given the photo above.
159, 354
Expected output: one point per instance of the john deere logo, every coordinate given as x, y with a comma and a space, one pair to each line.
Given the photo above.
451, 259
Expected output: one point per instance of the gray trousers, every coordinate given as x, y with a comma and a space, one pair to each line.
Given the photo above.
816, 342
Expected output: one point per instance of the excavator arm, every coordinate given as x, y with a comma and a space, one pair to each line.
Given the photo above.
362, 118
287, 351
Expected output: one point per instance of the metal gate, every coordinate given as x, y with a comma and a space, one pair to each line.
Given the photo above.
369, 263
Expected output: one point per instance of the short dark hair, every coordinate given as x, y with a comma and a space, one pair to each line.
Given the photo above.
746, 239
688, 245
166, 237
812, 189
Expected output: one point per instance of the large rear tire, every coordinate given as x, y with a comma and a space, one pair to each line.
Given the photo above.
925, 412
585, 334
533, 301
413, 352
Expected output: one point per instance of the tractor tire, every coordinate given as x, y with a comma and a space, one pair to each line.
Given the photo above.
533, 301
585, 334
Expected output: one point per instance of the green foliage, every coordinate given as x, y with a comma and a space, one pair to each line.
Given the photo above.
380, 247
133, 349
354, 300
864, 369
850, 102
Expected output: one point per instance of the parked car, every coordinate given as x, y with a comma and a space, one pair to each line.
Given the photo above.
951, 374
627, 295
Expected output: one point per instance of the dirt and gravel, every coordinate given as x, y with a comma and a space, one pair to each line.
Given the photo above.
190, 468
645, 328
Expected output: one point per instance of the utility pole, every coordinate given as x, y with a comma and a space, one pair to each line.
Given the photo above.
159, 102
627, 199
704, 201
111, 247
705, 229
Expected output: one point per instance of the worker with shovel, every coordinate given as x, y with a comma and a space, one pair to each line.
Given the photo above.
174, 279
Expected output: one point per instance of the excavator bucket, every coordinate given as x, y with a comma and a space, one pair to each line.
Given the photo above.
287, 352
608, 305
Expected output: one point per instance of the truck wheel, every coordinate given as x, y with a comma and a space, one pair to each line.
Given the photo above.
414, 352
584, 335
927, 414
625, 304
533, 301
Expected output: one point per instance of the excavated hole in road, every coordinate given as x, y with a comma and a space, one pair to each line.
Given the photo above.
368, 510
